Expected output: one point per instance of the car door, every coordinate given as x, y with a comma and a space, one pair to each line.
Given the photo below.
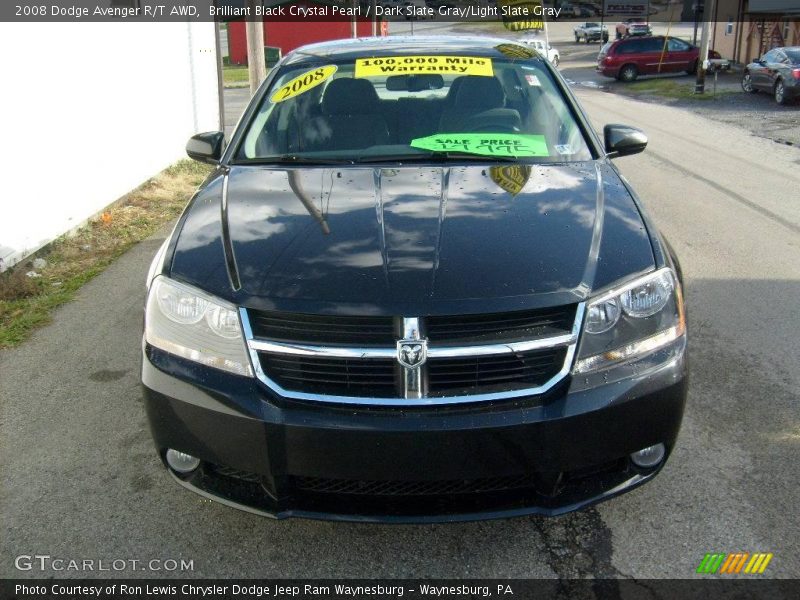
629, 51
759, 72
774, 66
679, 56
650, 55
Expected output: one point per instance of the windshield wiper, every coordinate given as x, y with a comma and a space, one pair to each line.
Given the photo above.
295, 159
434, 157
407, 157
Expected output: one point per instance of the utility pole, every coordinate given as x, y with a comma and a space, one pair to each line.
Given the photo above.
220, 79
257, 66
374, 18
354, 22
700, 83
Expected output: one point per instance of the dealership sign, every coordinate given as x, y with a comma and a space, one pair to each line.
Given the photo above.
629, 8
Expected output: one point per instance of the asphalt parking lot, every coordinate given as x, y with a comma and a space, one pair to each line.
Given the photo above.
80, 479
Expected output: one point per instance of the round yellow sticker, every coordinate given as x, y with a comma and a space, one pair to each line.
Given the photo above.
303, 83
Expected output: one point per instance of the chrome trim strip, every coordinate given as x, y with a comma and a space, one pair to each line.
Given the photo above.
433, 351
310, 350
255, 346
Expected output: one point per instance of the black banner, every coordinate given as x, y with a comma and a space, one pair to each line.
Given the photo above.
506, 11
739, 587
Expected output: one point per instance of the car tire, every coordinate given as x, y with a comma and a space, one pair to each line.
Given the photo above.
779, 93
577, 39
747, 83
692, 68
628, 73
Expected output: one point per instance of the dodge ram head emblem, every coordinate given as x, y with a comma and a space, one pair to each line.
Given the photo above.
412, 353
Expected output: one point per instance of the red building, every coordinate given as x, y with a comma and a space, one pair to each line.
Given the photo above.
290, 35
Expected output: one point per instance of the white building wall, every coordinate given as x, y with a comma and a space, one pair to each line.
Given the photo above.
91, 110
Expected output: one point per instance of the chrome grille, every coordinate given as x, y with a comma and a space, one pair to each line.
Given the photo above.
339, 376
497, 372
326, 329
500, 327
500, 356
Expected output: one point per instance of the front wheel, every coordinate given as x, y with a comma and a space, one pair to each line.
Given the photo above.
692, 68
780, 93
628, 73
577, 39
747, 83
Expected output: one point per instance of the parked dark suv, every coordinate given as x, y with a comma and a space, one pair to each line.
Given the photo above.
415, 287
627, 59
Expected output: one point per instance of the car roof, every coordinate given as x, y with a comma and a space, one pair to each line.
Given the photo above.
642, 37
401, 45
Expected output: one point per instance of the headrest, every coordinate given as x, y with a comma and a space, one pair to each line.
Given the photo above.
478, 93
347, 96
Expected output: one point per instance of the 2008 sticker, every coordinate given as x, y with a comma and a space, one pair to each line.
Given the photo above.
302, 83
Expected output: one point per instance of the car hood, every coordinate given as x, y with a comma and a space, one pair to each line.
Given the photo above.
416, 240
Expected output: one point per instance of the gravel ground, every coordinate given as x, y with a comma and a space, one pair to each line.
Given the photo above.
757, 113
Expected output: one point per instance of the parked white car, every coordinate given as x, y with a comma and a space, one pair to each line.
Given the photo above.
539, 45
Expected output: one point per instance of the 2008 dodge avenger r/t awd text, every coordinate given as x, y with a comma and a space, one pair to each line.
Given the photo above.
415, 288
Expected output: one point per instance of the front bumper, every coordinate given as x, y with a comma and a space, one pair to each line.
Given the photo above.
595, 36
546, 455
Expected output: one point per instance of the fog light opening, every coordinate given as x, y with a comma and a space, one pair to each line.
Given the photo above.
180, 462
649, 457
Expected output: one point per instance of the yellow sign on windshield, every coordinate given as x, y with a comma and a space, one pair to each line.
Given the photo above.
303, 83
415, 65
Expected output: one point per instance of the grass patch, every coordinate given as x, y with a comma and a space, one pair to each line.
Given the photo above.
234, 75
72, 260
670, 88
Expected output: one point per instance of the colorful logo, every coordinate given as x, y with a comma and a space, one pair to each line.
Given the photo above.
734, 563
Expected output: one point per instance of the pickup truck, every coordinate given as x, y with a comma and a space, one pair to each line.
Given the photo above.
632, 27
590, 32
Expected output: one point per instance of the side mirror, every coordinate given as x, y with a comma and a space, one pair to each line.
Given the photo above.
206, 147
623, 140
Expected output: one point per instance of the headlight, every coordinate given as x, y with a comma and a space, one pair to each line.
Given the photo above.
632, 321
185, 321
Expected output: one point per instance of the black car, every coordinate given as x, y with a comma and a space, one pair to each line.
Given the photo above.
777, 72
414, 288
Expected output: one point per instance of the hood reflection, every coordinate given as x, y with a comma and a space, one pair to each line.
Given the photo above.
424, 236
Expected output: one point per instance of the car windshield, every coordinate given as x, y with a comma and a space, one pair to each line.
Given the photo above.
794, 55
405, 108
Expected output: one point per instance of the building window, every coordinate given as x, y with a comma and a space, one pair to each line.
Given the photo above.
729, 26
